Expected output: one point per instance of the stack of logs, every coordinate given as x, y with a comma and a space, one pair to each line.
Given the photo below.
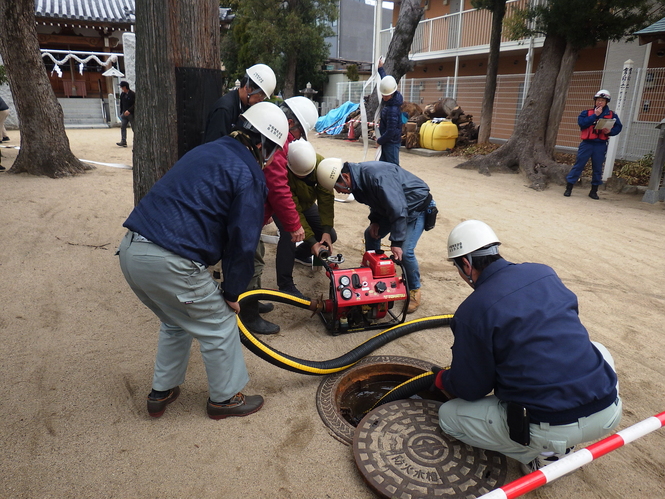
443, 108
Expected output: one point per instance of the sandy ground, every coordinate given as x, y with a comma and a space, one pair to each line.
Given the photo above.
78, 347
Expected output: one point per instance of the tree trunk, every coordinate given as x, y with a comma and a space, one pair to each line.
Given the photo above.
560, 97
170, 34
525, 150
290, 76
498, 13
44, 143
397, 61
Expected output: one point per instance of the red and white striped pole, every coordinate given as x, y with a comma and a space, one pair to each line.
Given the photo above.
576, 460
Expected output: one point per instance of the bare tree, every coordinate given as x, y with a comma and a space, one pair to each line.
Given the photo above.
44, 144
172, 34
397, 61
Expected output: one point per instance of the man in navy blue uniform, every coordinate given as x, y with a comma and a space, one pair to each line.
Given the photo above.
390, 124
207, 207
595, 132
519, 337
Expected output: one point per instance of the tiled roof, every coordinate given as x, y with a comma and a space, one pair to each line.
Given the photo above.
106, 11
655, 28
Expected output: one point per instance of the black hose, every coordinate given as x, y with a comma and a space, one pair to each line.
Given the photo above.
290, 363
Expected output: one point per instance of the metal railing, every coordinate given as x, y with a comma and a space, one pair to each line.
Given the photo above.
466, 29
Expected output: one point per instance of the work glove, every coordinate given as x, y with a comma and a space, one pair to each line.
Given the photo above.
436, 370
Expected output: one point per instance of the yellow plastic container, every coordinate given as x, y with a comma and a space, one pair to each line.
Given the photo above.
438, 136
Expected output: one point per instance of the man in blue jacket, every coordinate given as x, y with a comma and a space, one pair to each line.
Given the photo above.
390, 124
519, 336
207, 207
595, 132
398, 205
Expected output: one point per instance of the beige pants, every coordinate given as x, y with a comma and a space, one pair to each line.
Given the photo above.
3, 117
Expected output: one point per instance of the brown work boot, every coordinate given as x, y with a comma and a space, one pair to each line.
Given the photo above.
239, 405
414, 301
157, 406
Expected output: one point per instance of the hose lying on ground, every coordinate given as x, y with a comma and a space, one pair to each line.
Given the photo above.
317, 368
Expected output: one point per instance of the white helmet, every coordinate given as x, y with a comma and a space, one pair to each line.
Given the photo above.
388, 85
470, 236
302, 157
269, 120
328, 172
305, 111
604, 94
264, 77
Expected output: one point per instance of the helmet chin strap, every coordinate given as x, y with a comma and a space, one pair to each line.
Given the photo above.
490, 250
468, 277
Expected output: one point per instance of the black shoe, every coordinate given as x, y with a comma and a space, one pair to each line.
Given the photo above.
2, 168
157, 406
5, 139
264, 308
122, 143
593, 193
255, 324
239, 405
304, 261
293, 291
569, 189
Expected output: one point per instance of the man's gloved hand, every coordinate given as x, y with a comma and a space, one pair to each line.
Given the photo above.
436, 370
440, 388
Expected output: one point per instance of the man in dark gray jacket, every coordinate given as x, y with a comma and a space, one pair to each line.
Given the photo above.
399, 203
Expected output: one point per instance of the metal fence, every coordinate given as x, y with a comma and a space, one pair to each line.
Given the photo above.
643, 109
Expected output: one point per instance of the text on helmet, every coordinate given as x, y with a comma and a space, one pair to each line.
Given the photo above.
454, 247
273, 130
256, 77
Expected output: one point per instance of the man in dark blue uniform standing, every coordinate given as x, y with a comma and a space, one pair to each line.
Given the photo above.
207, 207
596, 127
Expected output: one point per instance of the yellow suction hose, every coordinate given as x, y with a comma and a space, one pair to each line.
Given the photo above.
318, 368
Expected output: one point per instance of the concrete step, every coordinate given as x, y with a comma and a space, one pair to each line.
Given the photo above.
82, 113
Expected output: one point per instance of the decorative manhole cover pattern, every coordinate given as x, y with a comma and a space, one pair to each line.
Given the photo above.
327, 393
401, 452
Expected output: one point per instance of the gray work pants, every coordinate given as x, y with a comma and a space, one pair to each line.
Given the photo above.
482, 423
184, 296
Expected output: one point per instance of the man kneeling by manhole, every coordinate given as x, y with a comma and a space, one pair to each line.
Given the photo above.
519, 334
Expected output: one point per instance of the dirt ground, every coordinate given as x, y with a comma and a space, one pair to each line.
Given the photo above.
78, 347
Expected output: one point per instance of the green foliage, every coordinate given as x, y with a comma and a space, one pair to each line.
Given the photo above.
636, 172
276, 33
583, 23
352, 72
3, 75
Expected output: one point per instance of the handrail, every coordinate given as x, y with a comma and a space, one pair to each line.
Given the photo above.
466, 29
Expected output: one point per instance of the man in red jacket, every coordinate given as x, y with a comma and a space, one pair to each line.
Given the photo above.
302, 115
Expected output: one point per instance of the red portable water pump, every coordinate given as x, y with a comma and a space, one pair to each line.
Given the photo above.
372, 296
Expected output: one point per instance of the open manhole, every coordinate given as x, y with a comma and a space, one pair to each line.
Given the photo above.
401, 451
344, 398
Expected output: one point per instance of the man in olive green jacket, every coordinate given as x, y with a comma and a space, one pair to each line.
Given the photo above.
316, 208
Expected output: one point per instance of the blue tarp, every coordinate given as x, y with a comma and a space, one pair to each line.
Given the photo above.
333, 122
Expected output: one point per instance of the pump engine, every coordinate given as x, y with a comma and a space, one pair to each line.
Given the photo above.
369, 297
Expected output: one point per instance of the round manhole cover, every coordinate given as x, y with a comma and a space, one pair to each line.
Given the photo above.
342, 398
401, 452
